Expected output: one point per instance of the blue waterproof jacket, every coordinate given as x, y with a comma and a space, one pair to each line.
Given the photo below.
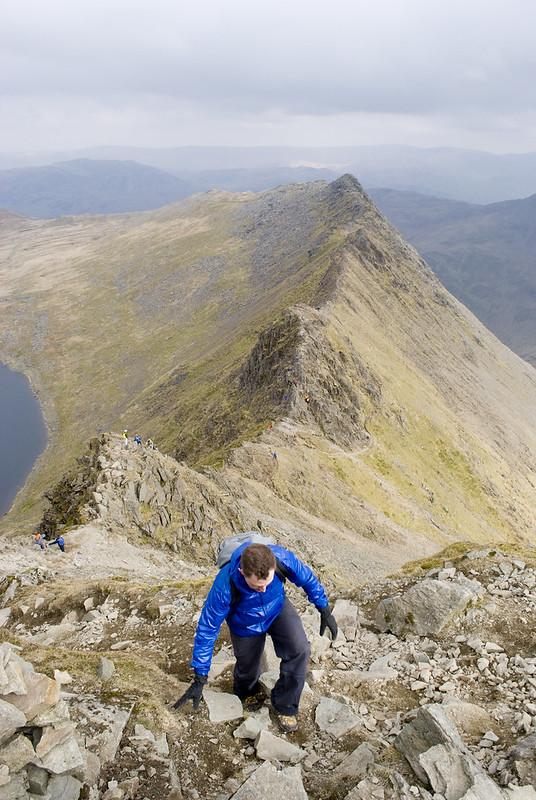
255, 611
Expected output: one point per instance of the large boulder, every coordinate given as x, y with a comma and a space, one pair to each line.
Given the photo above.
223, 707
41, 694
346, 614
17, 753
10, 719
335, 717
58, 749
267, 783
433, 747
423, 609
274, 748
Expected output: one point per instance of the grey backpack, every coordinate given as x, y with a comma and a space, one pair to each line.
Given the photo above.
229, 545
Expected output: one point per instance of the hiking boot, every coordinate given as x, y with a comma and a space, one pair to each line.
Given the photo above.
287, 723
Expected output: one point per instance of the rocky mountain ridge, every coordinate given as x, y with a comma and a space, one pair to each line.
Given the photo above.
337, 398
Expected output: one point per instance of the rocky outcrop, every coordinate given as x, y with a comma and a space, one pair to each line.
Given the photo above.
139, 489
40, 748
425, 608
301, 369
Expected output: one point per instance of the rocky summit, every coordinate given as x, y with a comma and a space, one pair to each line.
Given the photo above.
304, 374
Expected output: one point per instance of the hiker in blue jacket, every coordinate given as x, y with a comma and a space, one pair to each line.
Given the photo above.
248, 593
60, 541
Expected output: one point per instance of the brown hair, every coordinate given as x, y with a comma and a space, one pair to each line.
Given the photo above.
257, 559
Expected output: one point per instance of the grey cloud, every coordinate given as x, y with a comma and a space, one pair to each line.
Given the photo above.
416, 57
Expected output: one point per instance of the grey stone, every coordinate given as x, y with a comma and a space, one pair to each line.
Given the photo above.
270, 661
457, 775
268, 680
11, 718
62, 677
424, 608
222, 661
143, 733
5, 614
41, 694
223, 707
110, 739
435, 751
520, 793
4, 775
12, 672
92, 615
17, 753
346, 614
38, 779
273, 748
268, 783
64, 787
161, 745
53, 716
253, 725
16, 789
89, 771
58, 749
356, 764
524, 748
335, 718
106, 669
430, 727
366, 790
55, 633
468, 717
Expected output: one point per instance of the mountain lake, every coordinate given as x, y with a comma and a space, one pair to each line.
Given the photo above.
23, 434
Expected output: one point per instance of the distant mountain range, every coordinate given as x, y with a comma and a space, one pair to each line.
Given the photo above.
88, 187
485, 256
469, 175
85, 186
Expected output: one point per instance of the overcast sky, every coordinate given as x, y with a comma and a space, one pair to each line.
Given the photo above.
76, 73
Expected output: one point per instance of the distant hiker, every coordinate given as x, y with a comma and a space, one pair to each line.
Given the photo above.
270, 426
125, 438
150, 444
40, 540
137, 439
248, 593
60, 541
274, 455
307, 399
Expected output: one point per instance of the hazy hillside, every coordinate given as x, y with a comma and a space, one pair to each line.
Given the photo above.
83, 186
399, 422
468, 175
485, 255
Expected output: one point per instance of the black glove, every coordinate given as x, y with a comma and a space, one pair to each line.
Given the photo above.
194, 692
327, 620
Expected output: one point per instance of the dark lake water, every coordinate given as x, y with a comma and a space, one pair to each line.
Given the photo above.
23, 434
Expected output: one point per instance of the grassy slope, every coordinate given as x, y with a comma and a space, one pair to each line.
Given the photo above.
483, 254
116, 307
150, 317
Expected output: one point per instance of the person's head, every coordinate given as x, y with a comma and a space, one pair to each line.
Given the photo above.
257, 565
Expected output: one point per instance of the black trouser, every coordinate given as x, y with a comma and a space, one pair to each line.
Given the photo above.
291, 646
